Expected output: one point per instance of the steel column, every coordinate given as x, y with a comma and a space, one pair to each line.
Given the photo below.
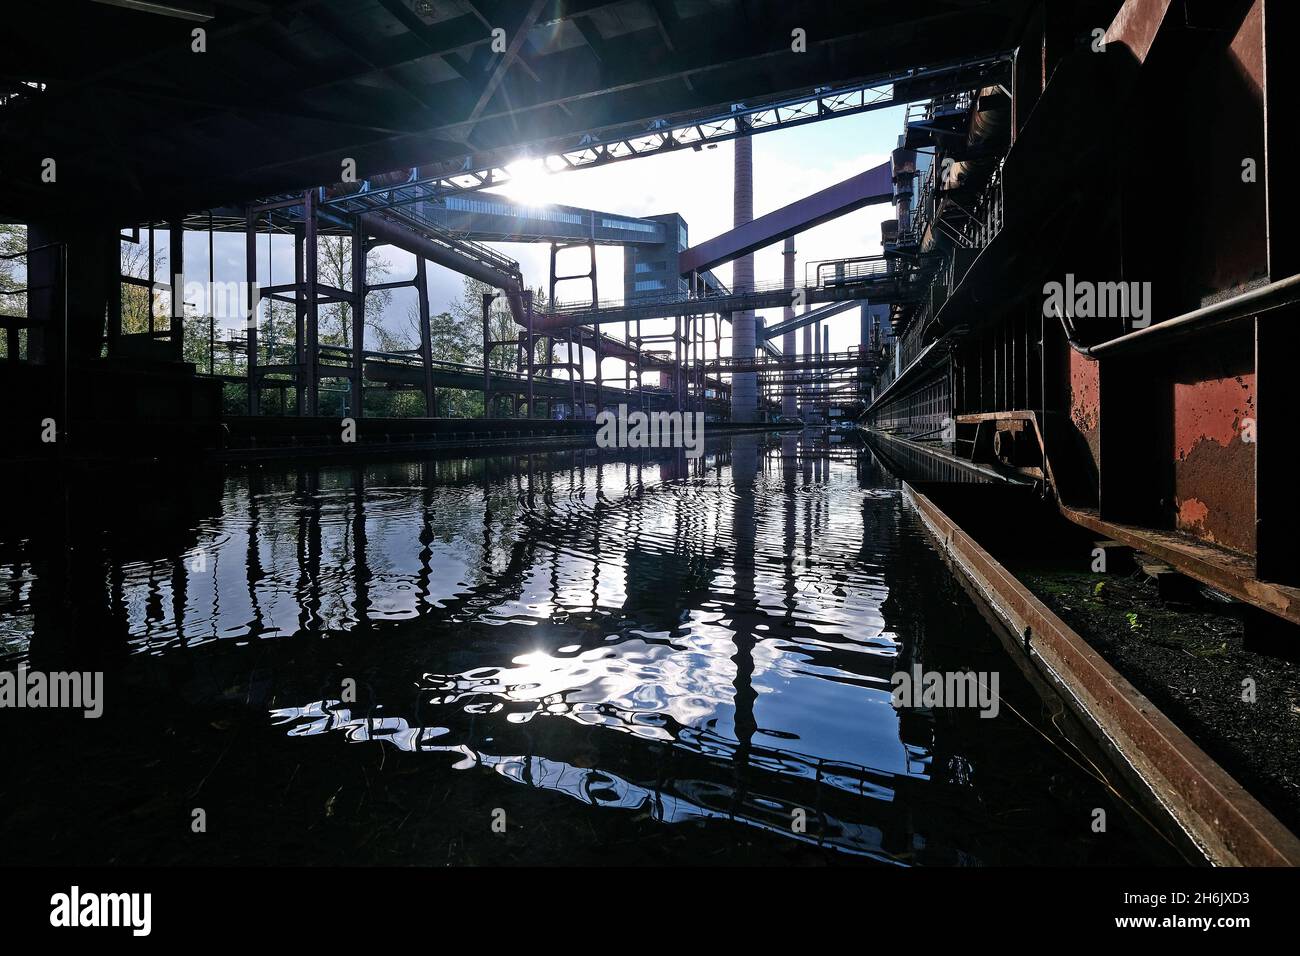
426, 337
250, 273
299, 315
358, 319
789, 403
311, 358
487, 352
531, 345
176, 237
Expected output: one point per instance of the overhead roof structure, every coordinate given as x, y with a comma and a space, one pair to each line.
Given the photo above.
140, 123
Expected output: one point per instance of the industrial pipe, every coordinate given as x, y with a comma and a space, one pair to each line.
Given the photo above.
395, 234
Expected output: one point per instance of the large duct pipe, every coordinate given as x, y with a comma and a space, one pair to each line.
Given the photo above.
395, 234
744, 385
789, 403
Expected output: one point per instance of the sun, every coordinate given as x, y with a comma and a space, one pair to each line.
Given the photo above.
531, 182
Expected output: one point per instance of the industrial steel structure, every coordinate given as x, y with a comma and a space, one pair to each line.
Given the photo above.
1023, 166
1087, 327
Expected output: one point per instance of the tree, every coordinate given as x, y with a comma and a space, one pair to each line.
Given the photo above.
467, 314
13, 241
136, 298
334, 268
457, 336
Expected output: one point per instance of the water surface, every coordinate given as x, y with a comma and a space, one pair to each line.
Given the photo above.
618, 659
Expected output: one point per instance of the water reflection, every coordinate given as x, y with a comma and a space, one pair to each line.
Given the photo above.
703, 640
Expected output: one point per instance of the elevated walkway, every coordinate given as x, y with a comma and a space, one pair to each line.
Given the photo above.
397, 370
879, 287
485, 217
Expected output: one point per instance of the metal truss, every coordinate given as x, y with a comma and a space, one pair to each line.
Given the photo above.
471, 173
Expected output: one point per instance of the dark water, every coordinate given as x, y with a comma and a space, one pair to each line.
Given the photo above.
620, 659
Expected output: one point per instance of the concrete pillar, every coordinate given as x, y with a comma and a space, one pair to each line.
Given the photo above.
789, 403
744, 385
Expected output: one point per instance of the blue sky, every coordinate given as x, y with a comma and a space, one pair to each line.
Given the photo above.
788, 164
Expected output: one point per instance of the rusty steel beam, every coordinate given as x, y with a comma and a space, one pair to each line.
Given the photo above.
1231, 573
1277, 339
403, 237
1229, 825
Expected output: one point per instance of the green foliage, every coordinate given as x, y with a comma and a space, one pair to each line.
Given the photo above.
456, 335
334, 268
13, 240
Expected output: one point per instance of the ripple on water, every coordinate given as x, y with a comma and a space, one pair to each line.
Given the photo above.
693, 641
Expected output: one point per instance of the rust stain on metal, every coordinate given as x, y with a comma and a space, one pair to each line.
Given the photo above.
1247, 50
1213, 410
1085, 400
1213, 468
1135, 26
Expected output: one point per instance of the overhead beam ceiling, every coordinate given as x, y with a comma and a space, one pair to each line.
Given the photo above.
140, 125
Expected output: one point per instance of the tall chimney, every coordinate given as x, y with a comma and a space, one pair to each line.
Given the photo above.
826, 355
744, 385
789, 403
808, 351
